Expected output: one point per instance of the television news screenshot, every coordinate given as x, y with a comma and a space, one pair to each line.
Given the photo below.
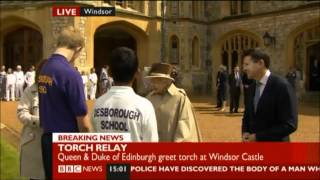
159, 89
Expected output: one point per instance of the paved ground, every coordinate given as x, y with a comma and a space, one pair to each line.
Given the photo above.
215, 126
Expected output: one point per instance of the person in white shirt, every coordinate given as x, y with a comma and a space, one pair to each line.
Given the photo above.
10, 85
19, 82
3, 75
93, 79
106, 81
85, 81
103, 80
30, 76
121, 110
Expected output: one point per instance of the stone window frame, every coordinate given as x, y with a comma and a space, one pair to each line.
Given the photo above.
137, 6
174, 7
196, 9
174, 50
238, 7
234, 45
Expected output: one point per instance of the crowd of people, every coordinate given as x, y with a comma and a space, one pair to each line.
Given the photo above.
231, 86
13, 83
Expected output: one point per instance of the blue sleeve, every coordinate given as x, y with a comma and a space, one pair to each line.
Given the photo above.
75, 95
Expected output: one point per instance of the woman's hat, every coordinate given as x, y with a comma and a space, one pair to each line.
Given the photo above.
160, 70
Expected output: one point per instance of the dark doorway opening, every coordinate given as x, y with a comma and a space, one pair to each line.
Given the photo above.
313, 70
23, 46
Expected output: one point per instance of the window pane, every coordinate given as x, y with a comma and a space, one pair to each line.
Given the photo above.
234, 7
174, 8
130, 4
245, 6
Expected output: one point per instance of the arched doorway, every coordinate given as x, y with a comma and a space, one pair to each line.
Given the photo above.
108, 39
313, 67
306, 56
110, 35
22, 46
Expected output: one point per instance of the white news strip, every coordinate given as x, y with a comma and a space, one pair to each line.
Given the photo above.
90, 137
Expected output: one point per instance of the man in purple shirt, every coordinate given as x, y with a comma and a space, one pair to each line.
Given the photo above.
62, 102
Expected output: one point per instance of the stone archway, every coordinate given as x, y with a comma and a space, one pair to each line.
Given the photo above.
21, 43
106, 40
22, 46
114, 34
303, 44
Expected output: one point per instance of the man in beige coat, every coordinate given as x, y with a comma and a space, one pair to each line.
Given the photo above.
175, 117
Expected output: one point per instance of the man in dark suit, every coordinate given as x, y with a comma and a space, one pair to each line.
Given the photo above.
271, 109
235, 89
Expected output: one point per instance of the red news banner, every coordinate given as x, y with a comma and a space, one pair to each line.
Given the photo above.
110, 156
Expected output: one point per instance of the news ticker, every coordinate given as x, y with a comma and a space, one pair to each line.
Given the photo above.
112, 156
83, 11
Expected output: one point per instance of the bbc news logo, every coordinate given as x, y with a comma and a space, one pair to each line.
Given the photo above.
83, 11
69, 168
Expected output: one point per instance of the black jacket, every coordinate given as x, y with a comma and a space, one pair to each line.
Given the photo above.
233, 82
276, 116
222, 78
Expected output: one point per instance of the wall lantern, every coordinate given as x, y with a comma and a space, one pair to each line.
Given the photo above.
268, 39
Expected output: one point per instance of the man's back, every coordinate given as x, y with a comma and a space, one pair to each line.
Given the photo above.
121, 110
61, 96
175, 116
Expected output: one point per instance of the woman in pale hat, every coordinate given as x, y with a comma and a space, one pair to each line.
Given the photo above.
31, 165
175, 117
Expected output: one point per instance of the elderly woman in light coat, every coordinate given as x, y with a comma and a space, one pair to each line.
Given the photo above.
31, 165
176, 119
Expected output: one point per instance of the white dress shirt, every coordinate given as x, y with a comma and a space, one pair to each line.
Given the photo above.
264, 81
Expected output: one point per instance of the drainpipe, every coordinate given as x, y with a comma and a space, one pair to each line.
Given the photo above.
163, 37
